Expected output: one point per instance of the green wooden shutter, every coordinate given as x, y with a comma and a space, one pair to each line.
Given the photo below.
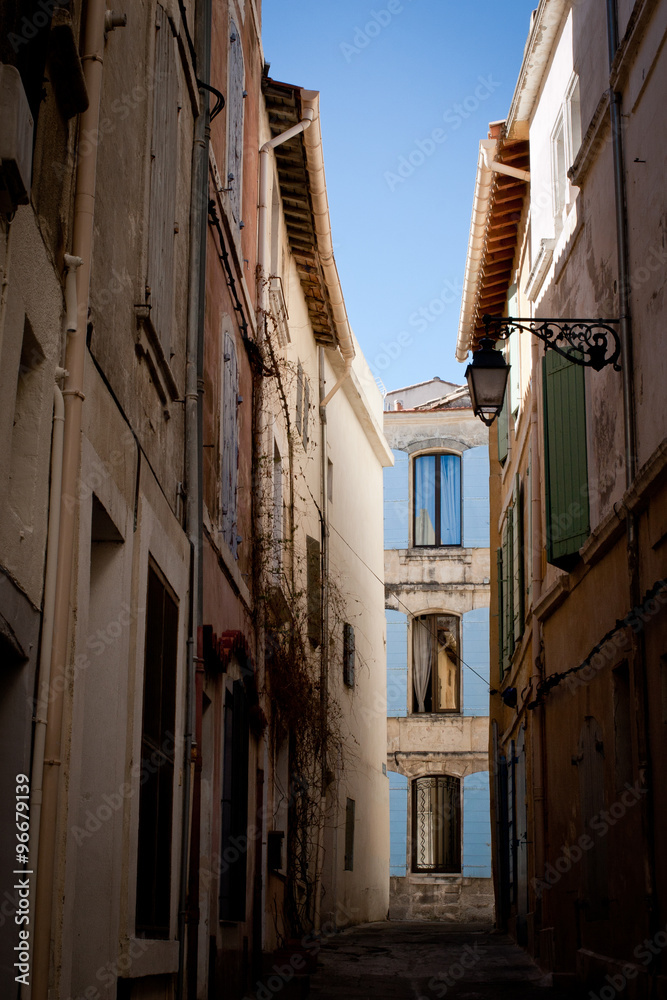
517, 561
502, 424
528, 543
501, 666
566, 468
508, 590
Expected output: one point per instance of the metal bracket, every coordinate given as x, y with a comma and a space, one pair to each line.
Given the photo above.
593, 343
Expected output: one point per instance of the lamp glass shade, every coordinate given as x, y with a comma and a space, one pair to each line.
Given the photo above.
487, 381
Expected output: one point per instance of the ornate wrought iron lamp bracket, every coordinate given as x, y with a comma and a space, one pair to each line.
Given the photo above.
593, 343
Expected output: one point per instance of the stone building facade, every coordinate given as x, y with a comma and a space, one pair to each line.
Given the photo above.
578, 596
437, 608
186, 412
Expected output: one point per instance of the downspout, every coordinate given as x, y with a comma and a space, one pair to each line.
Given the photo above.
46, 643
188, 907
262, 222
82, 240
501, 168
324, 650
538, 728
639, 666
318, 194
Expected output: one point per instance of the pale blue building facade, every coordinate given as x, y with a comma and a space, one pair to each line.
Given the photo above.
436, 521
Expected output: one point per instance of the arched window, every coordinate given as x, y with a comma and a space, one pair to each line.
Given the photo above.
436, 824
437, 500
436, 664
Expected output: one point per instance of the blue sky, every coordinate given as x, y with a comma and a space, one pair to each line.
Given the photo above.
407, 89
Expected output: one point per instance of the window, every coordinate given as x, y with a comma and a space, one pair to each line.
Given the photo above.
302, 405
329, 480
157, 761
437, 500
234, 803
565, 143
349, 835
314, 590
277, 511
348, 655
436, 668
436, 824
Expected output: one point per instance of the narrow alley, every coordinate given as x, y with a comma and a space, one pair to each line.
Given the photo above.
424, 960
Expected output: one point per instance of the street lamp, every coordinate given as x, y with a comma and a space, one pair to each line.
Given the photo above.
487, 379
592, 343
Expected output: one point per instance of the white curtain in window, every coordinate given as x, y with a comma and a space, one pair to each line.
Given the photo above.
422, 656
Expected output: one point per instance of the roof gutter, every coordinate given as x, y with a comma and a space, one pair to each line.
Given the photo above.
262, 232
480, 211
318, 193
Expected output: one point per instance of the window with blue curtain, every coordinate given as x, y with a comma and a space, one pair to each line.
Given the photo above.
437, 500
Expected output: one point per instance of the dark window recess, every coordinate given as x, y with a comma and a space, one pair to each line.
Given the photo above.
25, 30
348, 654
436, 824
302, 404
565, 463
437, 500
234, 805
274, 850
157, 761
314, 590
349, 835
622, 727
436, 664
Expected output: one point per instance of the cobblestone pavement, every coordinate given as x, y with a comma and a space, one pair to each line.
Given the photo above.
427, 961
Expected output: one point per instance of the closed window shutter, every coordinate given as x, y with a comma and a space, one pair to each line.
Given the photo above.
306, 405
397, 663
396, 502
517, 561
230, 448
235, 109
508, 590
475, 493
502, 423
349, 835
566, 466
314, 590
164, 160
528, 542
476, 826
348, 654
501, 607
398, 824
299, 400
475, 659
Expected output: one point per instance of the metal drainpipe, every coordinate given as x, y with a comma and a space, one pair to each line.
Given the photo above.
324, 653
194, 390
82, 241
539, 735
640, 679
